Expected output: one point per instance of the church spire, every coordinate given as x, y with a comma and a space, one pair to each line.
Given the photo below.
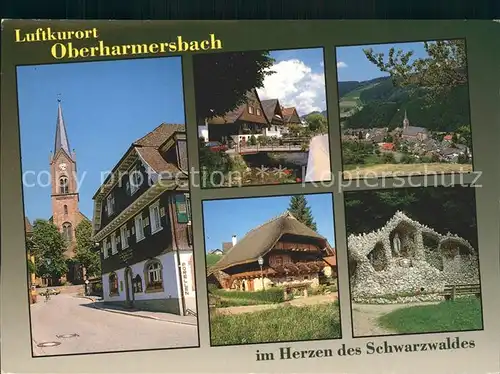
61, 134
405, 121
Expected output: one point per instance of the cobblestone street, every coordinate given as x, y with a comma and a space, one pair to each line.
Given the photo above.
56, 320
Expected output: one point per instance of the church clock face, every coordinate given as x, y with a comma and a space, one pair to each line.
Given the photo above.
62, 166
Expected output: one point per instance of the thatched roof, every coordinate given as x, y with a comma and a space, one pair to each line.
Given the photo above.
262, 239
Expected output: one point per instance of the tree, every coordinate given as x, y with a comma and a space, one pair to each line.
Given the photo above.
317, 123
48, 247
444, 68
300, 210
464, 136
222, 80
31, 267
85, 253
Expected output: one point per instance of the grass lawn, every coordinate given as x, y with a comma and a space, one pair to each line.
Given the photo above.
403, 169
459, 315
225, 298
212, 259
285, 323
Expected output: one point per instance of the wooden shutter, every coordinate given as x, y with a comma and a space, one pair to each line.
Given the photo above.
181, 208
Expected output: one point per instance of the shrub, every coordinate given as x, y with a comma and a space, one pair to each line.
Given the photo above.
264, 140
388, 158
406, 159
268, 296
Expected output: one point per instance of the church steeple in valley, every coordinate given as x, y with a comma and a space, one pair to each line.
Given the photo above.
406, 122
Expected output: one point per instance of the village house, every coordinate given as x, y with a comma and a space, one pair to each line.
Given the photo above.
272, 110
376, 135
388, 147
142, 224
291, 117
216, 252
281, 252
238, 125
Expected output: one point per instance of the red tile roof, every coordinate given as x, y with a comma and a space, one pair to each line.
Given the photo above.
388, 146
27, 226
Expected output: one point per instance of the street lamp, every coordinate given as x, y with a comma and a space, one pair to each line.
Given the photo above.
260, 260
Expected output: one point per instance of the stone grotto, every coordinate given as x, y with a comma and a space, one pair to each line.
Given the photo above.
405, 261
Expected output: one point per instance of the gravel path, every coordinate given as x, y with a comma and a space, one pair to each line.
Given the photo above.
365, 316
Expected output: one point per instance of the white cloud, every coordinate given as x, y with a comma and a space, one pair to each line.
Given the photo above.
294, 84
341, 64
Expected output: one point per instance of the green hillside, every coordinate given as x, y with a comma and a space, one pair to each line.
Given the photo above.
379, 104
350, 95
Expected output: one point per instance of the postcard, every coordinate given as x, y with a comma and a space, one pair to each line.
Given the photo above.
251, 196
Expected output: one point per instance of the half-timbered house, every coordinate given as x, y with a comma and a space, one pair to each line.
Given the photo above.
281, 252
238, 125
290, 116
272, 110
142, 223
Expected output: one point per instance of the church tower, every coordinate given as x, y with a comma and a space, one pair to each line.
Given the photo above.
406, 123
65, 212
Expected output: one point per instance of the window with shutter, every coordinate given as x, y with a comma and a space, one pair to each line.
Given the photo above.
124, 237
114, 249
154, 214
139, 228
182, 158
181, 208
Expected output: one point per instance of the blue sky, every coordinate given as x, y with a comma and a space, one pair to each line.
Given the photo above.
106, 106
359, 68
221, 225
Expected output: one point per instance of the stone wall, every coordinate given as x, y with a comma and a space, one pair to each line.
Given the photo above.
388, 270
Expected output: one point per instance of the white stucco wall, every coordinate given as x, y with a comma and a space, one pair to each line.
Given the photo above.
169, 275
171, 281
272, 132
203, 132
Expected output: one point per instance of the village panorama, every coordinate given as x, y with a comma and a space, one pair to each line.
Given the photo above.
395, 119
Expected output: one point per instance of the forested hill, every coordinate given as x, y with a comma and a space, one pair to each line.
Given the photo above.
377, 103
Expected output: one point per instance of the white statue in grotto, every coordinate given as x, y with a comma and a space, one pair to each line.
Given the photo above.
406, 261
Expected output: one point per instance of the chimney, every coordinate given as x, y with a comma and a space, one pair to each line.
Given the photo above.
234, 240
